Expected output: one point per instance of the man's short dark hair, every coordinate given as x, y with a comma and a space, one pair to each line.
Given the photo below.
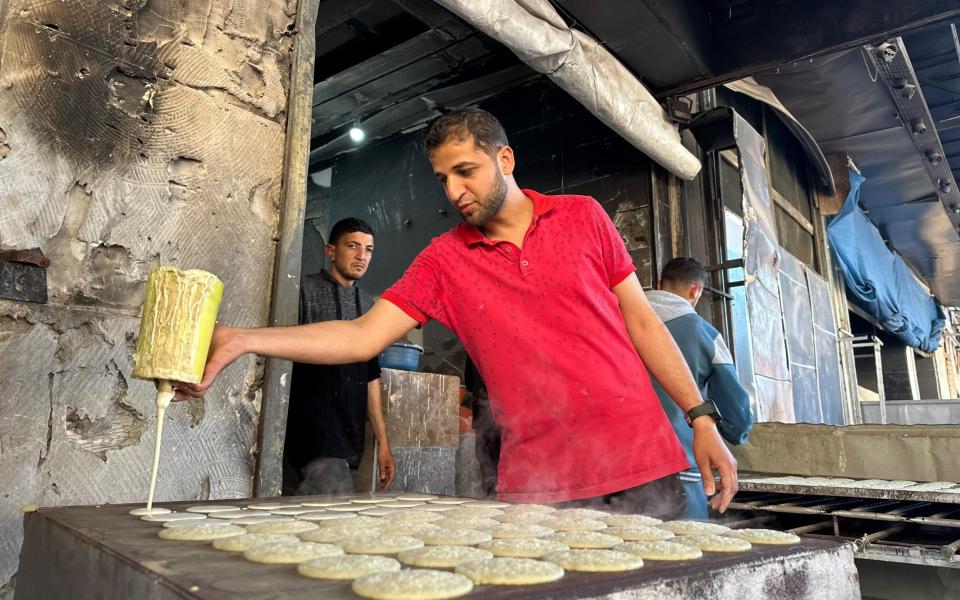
460, 125
684, 270
348, 225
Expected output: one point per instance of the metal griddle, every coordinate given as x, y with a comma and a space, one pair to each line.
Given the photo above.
102, 553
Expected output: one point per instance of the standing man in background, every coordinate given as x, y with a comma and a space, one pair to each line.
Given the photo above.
329, 404
681, 285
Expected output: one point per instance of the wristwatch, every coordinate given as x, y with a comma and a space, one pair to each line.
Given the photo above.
707, 408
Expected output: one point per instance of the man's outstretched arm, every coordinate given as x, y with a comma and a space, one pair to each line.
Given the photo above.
327, 343
663, 359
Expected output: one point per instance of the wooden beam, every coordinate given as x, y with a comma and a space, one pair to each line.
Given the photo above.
396, 58
417, 78
332, 13
285, 291
435, 16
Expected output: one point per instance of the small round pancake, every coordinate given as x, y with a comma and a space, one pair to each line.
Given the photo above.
412, 529
442, 557
144, 512
510, 571
413, 515
402, 504
417, 497
448, 500
595, 561
455, 537
190, 523
585, 539
271, 505
412, 584
440, 508
211, 508
294, 511
581, 513
630, 521
694, 527
378, 543
486, 504
201, 532
469, 512
525, 518
525, 508
765, 536
289, 553
322, 514
173, 516
932, 486
574, 524
290, 527
240, 513
381, 511
372, 499
347, 566
640, 534
356, 508
357, 522
327, 535
883, 484
519, 530
242, 543
660, 550
467, 523
325, 502
523, 547
260, 519
715, 543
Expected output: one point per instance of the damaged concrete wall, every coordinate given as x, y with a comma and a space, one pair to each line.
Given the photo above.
132, 133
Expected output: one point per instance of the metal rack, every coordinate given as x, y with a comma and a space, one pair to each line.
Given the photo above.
890, 525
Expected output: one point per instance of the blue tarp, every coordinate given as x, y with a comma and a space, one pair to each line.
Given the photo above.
878, 280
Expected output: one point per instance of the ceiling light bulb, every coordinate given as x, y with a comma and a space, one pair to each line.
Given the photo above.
357, 134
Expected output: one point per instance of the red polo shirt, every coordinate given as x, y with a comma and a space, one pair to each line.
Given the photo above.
578, 415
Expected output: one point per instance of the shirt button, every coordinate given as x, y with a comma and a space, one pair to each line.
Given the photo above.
524, 263
509, 249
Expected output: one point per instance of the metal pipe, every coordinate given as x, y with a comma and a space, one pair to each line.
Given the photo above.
812, 527
862, 543
586, 70
948, 550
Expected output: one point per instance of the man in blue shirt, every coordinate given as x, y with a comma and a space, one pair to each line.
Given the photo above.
681, 284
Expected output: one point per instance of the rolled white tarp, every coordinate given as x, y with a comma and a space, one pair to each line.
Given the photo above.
538, 35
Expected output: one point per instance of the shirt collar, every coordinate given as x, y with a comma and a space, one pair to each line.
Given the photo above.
542, 204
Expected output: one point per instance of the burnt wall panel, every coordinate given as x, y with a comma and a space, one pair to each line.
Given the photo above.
135, 134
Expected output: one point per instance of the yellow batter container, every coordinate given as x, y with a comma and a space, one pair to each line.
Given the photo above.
179, 314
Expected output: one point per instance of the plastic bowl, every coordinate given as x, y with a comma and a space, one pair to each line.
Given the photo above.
405, 357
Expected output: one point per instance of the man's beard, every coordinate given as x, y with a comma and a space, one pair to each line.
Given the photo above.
490, 205
347, 274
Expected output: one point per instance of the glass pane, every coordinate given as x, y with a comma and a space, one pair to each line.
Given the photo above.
788, 166
795, 238
730, 190
733, 230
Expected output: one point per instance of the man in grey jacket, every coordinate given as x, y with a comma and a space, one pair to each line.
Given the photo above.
681, 284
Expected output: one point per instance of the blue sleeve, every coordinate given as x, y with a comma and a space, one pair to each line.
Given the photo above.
732, 401
724, 389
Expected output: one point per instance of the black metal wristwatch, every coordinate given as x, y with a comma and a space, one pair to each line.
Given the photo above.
707, 408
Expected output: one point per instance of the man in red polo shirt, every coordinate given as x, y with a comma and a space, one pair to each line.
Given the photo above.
543, 295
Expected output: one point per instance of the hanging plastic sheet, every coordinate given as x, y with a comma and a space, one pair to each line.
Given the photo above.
878, 281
